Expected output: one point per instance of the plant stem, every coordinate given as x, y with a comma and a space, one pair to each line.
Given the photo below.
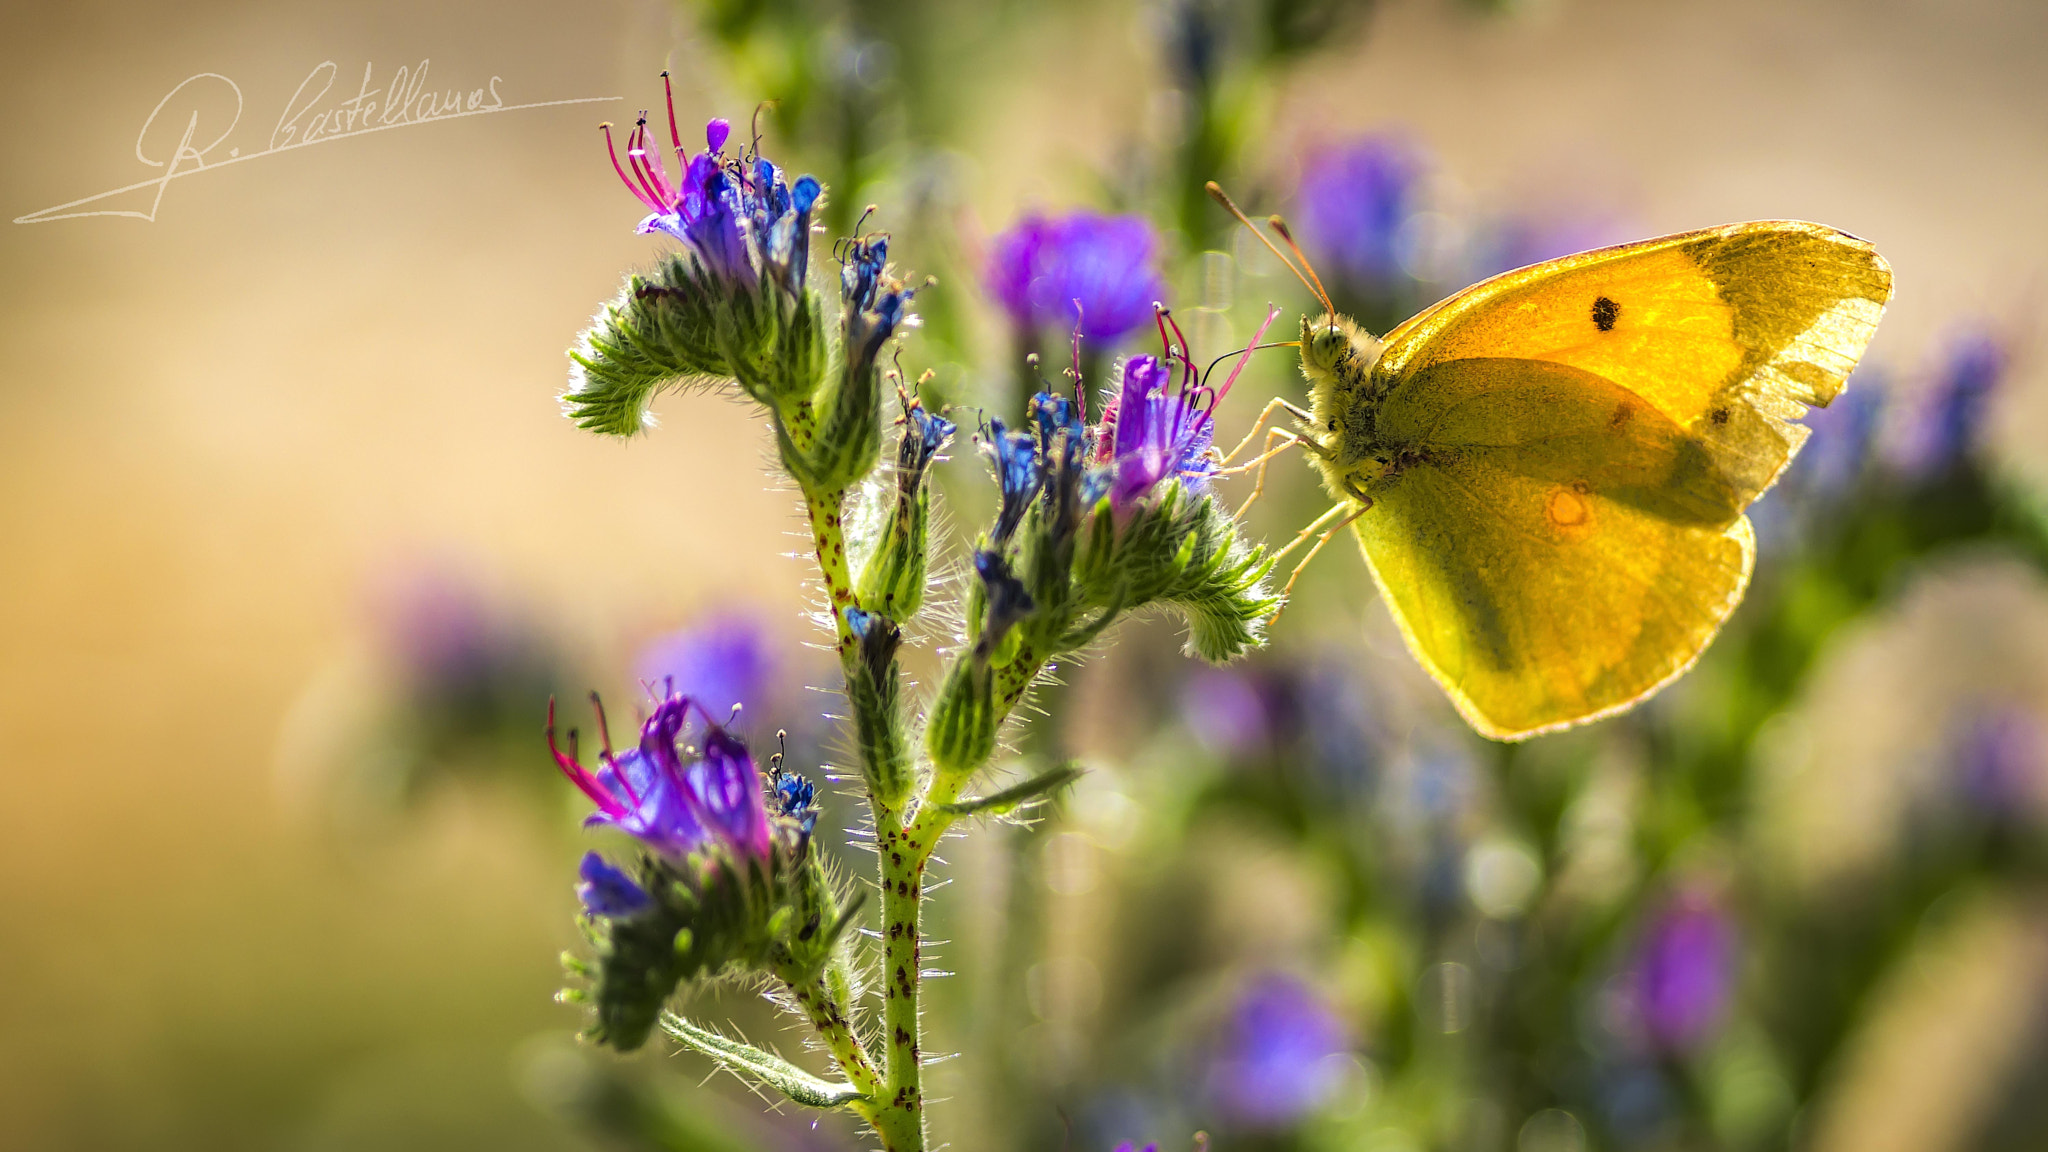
828, 1017
902, 861
829, 542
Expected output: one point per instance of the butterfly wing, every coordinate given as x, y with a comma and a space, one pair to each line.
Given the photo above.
1564, 532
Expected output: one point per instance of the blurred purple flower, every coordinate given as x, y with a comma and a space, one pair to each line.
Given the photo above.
1843, 432
1042, 266
1126, 1146
1226, 711
1354, 199
446, 633
1683, 972
674, 807
1279, 1058
1951, 414
722, 660
2000, 755
1521, 240
606, 891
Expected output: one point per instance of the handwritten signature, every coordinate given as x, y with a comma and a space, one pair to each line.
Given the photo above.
309, 117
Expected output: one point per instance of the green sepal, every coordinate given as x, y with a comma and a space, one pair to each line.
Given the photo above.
1011, 798
874, 689
1185, 554
892, 581
960, 733
685, 327
758, 1066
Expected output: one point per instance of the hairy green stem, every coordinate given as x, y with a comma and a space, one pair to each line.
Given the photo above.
828, 1014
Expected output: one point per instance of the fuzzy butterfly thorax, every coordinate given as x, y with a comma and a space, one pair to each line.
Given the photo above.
1338, 357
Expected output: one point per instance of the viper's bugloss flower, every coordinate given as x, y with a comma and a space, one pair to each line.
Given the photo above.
1843, 432
675, 806
1355, 200
1044, 268
1161, 422
1951, 414
928, 435
721, 662
742, 221
875, 300
1683, 972
1018, 475
1005, 596
1282, 1054
606, 891
2001, 756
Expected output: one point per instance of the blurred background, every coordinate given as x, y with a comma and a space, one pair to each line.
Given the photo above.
297, 546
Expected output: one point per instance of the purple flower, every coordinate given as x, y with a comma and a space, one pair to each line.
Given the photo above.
1281, 1056
606, 891
1226, 710
1156, 427
1521, 240
2000, 755
1126, 1147
675, 807
1043, 268
738, 220
720, 662
1843, 431
1355, 199
1952, 413
1683, 972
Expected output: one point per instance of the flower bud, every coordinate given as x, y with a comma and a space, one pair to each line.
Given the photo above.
892, 582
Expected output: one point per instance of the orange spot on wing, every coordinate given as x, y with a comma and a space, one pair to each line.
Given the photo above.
1569, 511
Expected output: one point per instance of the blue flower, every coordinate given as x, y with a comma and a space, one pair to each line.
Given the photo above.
1018, 475
1006, 598
1043, 268
722, 661
606, 891
1282, 1054
933, 433
1953, 411
1355, 198
675, 807
875, 301
1683, 972
741, 221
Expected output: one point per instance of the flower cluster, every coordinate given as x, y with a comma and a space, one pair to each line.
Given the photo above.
721, 881
741, 221
1096, 520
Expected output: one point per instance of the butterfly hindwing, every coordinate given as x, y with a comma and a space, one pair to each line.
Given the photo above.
1563, 530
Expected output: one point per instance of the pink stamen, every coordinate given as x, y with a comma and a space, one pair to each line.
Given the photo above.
578, 774
613, 151
669, 93
1258, 338
656, 185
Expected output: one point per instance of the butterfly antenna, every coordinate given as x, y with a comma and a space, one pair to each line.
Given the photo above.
1322, 294
1217, 194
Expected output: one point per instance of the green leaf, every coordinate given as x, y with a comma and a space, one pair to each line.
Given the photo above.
1009, 799
751, 1063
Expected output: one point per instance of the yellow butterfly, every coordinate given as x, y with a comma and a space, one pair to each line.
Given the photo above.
1548, 470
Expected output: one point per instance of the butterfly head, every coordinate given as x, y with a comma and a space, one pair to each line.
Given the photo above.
1323, 343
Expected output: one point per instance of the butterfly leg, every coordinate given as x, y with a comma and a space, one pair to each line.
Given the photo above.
1259, 461
1287, 592
1276, 403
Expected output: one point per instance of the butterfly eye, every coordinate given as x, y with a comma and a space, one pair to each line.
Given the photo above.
1327, 345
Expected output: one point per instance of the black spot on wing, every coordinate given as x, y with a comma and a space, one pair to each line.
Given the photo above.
1605, 313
